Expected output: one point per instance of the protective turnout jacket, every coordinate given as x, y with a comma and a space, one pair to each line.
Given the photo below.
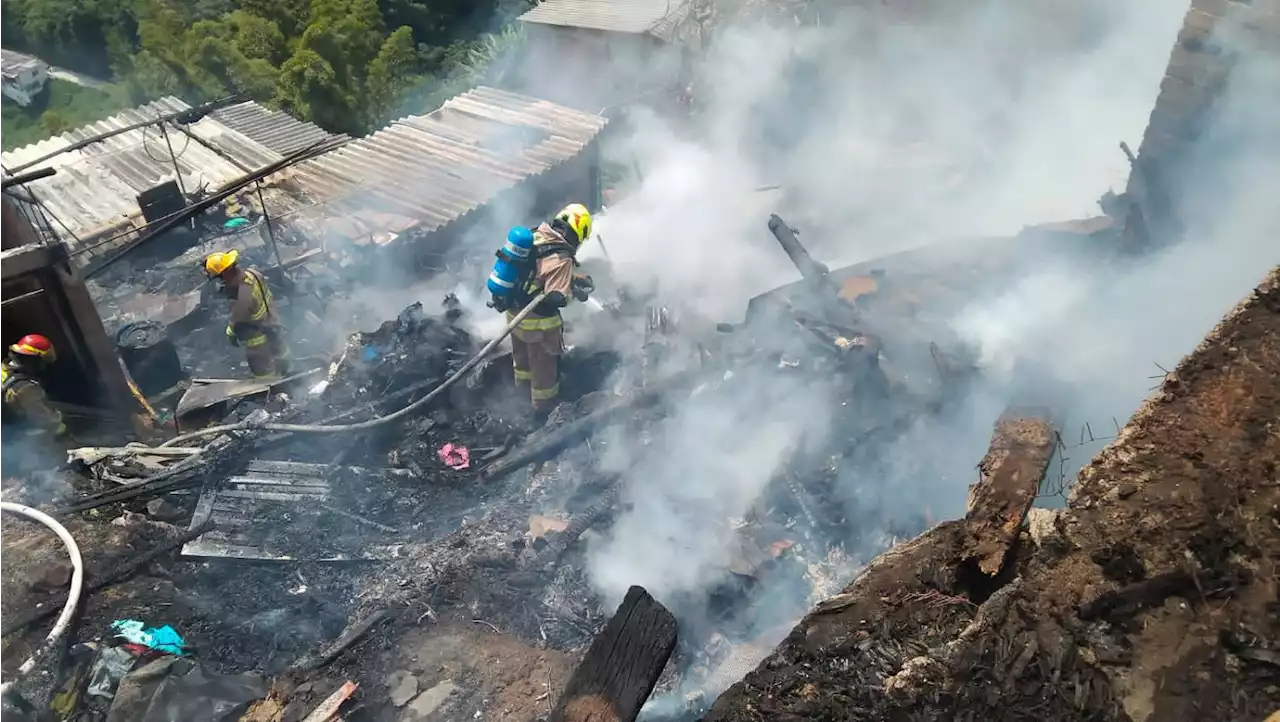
25, 402
253, 309
553, 275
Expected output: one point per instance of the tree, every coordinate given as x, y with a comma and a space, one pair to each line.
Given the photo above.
391, 73
150, 78
52, 123
258, 38
308, 87
290, 16
326, 77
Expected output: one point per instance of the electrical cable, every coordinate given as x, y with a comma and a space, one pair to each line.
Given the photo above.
377, 421
73, 594
176, 154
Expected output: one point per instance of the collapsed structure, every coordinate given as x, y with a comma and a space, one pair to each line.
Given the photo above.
389, 537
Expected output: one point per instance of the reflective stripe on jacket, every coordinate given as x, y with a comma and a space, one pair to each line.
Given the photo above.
25, 401
261, 293
537, 323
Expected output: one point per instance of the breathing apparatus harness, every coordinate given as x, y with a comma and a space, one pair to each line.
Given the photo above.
513, 282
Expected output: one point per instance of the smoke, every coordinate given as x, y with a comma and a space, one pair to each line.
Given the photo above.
886, 132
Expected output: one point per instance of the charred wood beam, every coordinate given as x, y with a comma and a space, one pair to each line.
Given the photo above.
22, 178
121, 572
813, 271
1021, 447
1118, 605
553, 442
578, 525
623, 664
352, 634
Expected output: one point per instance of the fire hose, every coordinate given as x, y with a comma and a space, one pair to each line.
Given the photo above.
377, 421
73, 595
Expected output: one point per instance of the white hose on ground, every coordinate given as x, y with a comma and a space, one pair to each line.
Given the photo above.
73, 595
377, 421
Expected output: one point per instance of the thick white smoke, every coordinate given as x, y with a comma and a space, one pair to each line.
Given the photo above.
884, 136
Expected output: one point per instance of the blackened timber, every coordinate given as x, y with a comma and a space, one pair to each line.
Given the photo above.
579, 524
812, 270
553, 442
623, 664
352, 634
1022, 446
121, 572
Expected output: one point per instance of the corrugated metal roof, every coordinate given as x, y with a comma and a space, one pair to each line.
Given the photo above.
658, 18
96, 187
274, 129
13, 63
425, 171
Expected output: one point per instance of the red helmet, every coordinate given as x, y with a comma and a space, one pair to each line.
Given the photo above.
36, 346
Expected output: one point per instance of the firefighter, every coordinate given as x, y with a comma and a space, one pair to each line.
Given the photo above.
254, 325
25, 403
538, 341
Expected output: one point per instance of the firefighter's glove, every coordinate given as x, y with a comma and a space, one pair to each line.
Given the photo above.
582, 287
551, 305
231, 336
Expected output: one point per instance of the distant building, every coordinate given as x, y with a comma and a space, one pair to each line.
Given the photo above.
24, 76
594, 54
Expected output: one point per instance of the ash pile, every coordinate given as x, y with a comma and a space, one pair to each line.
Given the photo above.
657, 454
732, 442
360, 494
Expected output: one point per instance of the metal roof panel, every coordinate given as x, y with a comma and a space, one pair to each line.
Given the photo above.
96, 186
658, 18
440, 166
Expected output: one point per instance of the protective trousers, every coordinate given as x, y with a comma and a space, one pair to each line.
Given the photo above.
536, 345
266, 351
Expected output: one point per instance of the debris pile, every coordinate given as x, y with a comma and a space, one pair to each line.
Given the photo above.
1080, 617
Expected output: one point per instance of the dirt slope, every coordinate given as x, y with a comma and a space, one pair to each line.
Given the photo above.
1153, 596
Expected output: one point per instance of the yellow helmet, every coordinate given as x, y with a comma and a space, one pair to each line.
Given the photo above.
217, 263
578, 218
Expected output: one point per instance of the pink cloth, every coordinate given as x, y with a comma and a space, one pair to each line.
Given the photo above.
455, 457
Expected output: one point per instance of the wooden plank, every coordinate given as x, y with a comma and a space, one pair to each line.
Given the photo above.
623, 664
1021, 447
204, 395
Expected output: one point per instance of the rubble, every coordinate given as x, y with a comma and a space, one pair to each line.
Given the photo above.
1079, 626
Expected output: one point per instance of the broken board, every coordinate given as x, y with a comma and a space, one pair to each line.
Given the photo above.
236, 507
210, 392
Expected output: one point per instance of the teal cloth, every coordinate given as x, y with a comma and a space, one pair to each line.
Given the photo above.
162, 639
236, 223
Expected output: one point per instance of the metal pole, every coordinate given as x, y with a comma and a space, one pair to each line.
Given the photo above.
177, 172
271, 234
24, 296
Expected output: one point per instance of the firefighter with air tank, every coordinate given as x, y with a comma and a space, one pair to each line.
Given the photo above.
254, 324
536, 262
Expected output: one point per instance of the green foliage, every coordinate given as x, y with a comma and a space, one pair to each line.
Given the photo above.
61, 107
347, 65
391, 73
